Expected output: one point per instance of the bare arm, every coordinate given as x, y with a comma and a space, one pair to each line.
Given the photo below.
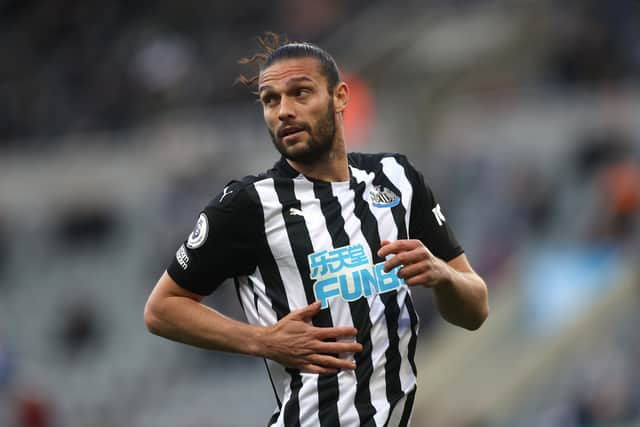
178, 314
461, 294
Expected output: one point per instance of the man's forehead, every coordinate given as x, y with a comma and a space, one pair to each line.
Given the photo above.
286, 69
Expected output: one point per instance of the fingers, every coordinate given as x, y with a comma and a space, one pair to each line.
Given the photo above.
416, 276
411, 270
406, 258
413, 256
338, 347
295, 343
335, 347
420, 279
331, 362
387, 247
307, 312
429, 273
400, 246
324, 364
335, 332
325, 360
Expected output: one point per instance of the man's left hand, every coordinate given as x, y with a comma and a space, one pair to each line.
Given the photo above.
419, 265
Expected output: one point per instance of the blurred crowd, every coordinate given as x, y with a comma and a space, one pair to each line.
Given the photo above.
73, 66
86, 65
91, 67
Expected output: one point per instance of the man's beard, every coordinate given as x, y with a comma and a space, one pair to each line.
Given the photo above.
320, 140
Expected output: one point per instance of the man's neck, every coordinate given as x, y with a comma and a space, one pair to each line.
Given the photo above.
333, 167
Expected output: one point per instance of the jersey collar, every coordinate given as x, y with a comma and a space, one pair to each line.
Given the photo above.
285, 168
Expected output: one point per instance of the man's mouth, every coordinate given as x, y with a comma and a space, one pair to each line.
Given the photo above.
290, 132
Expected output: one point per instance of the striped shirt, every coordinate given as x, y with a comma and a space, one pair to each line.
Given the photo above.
289, 240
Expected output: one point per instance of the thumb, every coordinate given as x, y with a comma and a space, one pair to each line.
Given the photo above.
382, 245
308, 311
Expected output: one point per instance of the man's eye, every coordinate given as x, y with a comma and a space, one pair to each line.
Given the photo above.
302, 92
269, 100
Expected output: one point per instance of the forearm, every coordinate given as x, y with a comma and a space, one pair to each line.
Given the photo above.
177, 314
463, 299
188, 321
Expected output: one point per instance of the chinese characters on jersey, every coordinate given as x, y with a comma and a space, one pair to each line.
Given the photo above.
347, 272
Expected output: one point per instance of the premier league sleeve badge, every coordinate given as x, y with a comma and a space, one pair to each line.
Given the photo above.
199, 234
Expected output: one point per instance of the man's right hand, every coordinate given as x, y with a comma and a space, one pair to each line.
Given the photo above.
296, 344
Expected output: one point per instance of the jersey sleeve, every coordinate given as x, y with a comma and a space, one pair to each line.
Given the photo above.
427, 222
221, 245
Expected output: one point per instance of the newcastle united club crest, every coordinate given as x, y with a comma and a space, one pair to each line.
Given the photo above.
382, 197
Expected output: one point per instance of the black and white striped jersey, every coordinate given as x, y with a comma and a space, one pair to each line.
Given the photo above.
288, 240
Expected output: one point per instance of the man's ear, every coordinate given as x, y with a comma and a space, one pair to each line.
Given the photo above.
341, 97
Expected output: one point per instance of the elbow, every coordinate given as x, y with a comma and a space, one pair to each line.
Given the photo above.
478, 319
151, 318
479, 316
481, 311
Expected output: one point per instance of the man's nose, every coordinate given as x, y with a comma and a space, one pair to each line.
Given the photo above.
287, 110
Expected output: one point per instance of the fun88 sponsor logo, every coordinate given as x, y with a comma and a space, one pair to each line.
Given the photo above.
347, 272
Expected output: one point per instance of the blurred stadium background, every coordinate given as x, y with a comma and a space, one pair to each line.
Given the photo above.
119, 120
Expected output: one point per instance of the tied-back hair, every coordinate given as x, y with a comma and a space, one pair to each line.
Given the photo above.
277, 47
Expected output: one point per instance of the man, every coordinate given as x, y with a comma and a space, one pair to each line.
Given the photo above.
323, 249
